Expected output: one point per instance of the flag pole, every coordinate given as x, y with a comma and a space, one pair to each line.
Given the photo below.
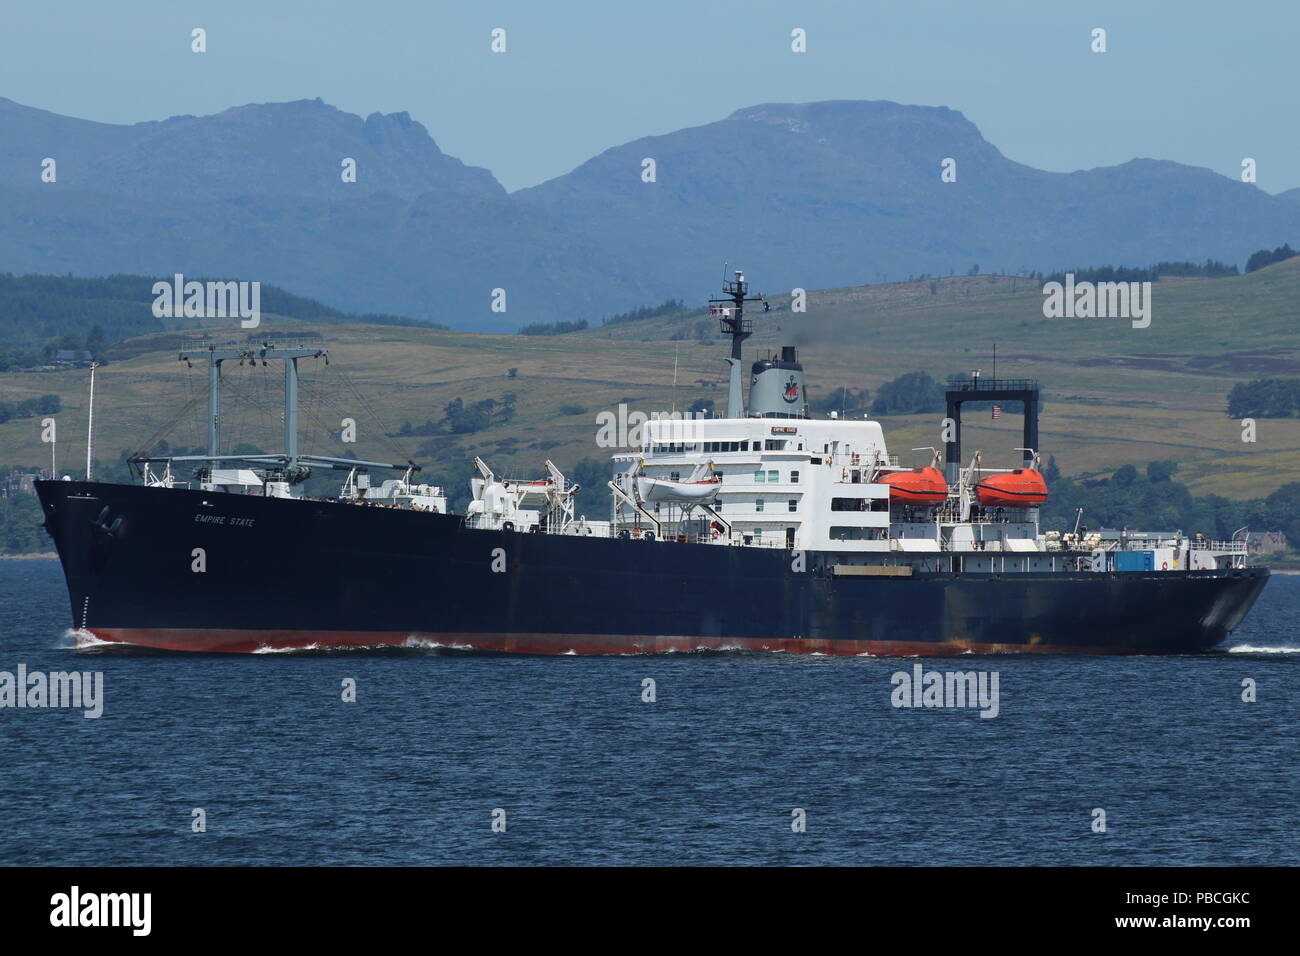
90, 421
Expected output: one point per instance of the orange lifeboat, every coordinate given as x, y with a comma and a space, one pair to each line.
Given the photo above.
1022, 488
920, 486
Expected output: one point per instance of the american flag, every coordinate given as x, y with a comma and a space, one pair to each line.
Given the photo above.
997, 412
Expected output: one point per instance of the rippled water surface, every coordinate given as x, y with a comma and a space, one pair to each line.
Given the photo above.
586, 772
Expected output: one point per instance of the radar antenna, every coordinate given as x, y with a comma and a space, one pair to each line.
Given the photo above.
731, 318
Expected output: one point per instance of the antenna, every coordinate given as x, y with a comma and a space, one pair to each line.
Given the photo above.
676, 346
90, 423
732, 322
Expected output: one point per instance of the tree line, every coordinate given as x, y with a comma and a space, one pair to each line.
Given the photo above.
1210, 269
1266, 258
553, 328
30, 407
463, 418
42, 313
1265, 398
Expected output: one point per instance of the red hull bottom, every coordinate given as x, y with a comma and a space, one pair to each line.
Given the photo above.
267, 641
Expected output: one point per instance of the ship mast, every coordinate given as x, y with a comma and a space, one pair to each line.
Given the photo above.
216, 354
731, 312
290, 465
90, 424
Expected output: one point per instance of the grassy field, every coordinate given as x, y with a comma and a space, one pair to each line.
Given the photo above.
1113, 394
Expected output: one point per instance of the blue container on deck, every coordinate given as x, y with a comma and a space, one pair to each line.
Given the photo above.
1135, 561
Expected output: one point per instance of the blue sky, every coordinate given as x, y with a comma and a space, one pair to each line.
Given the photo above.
1198, 82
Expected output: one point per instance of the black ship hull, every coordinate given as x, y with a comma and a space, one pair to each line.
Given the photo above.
201, 571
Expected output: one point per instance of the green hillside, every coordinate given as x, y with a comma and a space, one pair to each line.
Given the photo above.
1113, 394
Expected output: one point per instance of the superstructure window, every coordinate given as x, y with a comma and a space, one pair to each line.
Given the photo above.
859, 504
793, 504
760, 477
758, 505
794, 477
856, 534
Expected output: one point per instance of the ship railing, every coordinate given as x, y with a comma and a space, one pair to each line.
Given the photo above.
965, 383
862, 463
1225, 547
950, 513
705, 537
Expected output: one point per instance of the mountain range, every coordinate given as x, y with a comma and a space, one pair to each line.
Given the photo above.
816, 195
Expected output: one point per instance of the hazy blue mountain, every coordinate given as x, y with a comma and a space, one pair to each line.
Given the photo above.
1293, 194
815, 195
255, 193
271, 149
840, 193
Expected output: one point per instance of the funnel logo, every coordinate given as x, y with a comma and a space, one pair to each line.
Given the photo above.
791, 393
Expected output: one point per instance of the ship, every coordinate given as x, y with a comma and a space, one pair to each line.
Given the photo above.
766, 529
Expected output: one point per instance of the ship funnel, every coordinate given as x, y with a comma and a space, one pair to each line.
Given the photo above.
776, 387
